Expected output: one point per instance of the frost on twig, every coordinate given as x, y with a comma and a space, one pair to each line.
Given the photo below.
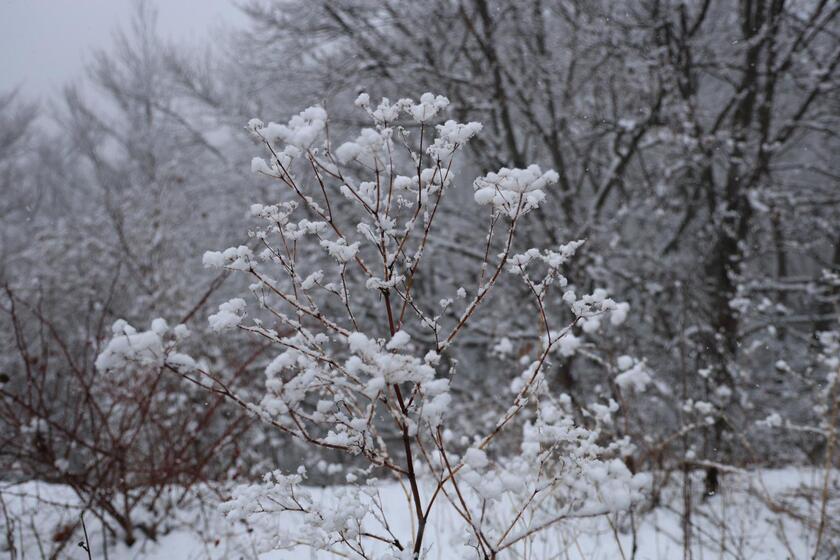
365, 365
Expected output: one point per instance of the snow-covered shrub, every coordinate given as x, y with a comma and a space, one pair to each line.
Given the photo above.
128, 441
364, 363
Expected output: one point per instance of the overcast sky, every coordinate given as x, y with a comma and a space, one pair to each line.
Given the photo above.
45, 43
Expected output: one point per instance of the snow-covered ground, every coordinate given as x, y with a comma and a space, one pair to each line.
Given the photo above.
754, 517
